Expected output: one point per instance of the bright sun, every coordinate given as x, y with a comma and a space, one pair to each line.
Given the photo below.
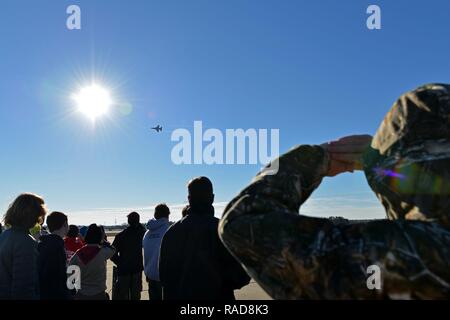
93, 101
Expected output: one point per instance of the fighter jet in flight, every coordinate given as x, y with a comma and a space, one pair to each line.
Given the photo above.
158, 128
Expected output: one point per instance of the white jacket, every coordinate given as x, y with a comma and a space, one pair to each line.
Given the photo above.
152, 244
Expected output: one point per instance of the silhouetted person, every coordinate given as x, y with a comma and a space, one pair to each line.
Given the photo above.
19, 279
194, 264
73, 241
52, 261
157, 227
129, 260
92, 260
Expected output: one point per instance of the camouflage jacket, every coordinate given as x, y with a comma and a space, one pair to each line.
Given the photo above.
298, 257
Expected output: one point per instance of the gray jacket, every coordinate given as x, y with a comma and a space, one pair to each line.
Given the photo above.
18, 265
92, 260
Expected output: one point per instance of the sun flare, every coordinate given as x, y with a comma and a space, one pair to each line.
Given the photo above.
93, 101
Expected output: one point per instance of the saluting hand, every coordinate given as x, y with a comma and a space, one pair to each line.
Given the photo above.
346, 153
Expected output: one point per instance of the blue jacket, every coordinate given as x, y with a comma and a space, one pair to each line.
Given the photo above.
152, 243
19, 278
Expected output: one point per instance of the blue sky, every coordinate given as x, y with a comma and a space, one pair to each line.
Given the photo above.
311, 69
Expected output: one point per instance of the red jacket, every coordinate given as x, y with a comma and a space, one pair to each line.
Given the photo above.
72, 245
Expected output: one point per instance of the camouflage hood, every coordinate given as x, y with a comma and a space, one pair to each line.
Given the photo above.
408, 163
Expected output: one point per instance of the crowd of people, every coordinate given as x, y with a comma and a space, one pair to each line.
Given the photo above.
292, 256
182, 260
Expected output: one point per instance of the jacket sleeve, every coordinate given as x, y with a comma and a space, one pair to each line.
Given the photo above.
108, 252
235, 276
65, 293
168, 250
163, 263
294, 256
24, 272
262, 225
116, 244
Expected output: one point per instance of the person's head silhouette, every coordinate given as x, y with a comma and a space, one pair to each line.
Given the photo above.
162, 211
200, 192
27, 211
94, 234
73, 232
57, 223
133, 219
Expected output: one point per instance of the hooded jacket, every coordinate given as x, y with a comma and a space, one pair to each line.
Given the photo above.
194, 264
152, 244
408, 163
92, 262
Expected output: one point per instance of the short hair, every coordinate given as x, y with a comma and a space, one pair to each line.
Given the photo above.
56, 220
25, 211
133, 218
162, 211
73, 231
94, 234
200, 191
